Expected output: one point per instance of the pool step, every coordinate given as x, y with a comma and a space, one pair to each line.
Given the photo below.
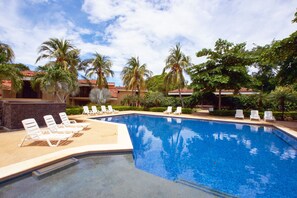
54, 168
204, 189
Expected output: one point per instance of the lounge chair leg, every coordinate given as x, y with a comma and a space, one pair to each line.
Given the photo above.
20, 145
53, 145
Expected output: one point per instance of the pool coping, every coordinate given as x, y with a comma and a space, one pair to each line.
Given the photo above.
124, 143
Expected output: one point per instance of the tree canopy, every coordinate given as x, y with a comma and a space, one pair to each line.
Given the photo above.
225, 68
101, 66
134, 75
177, 63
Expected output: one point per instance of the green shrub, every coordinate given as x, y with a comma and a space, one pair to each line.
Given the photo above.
157, 109
187, 110
127, 108
74, 110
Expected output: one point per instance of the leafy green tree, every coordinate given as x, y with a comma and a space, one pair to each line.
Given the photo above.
264, 79
54, 79
283, 53
134, 75
282, 95
177, 63
9, 71
153, 99
156, 83
225, 68
101, 66
61, 52
6, 53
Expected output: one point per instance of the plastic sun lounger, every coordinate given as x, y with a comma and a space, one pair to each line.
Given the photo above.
54, 128
168, 110
268, 116
239, 114
71, 123
95, 110
103, 109
178, 111
110, 109
34, 133
254, 115
86, 110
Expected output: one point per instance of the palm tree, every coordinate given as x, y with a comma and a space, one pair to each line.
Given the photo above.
101, 67
62, 51
54, 79
6, 53
134, 74
177, 63
9, 71
281, 95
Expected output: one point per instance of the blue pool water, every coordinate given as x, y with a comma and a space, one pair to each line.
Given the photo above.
241, 160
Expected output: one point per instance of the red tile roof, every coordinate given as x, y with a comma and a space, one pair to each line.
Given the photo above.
28, 73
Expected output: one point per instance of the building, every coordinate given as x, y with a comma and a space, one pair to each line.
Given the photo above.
188, 92
82, 98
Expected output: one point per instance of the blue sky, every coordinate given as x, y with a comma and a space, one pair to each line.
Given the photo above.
145, 28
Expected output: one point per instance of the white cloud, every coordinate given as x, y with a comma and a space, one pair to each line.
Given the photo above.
147, 29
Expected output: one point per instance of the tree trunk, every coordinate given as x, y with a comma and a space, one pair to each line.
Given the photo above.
220, 98
180, 97
282, 103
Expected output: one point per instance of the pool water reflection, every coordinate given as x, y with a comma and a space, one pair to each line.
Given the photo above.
242, 160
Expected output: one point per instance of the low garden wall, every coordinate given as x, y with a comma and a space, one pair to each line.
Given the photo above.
13, 112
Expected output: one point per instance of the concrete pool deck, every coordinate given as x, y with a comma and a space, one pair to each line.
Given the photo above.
100, 137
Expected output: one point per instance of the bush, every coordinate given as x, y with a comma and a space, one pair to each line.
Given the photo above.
157, 109
74, 110
187, 110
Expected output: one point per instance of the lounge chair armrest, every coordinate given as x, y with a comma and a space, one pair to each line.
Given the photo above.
72, 121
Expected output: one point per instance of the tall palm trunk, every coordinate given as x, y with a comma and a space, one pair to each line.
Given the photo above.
220, 98
180, 97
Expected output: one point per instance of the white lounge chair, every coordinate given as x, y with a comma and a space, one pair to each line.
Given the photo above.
254, 115
103, 109
178, 110
168, 110
95, 110
54, 128
86, 110
268, 116
110, 109
71, 123
239, 114
34, 133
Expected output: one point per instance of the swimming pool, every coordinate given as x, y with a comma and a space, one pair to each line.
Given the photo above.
238, 159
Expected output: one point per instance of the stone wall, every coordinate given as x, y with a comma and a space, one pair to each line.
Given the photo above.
13, 112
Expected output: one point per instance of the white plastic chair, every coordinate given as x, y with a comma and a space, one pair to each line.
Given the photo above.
53, 127
103, 109
239, 114
168, 110
178, 110
268, 116
34, 133
110, 109
86, 110
71, 123
95, 110
254, 115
